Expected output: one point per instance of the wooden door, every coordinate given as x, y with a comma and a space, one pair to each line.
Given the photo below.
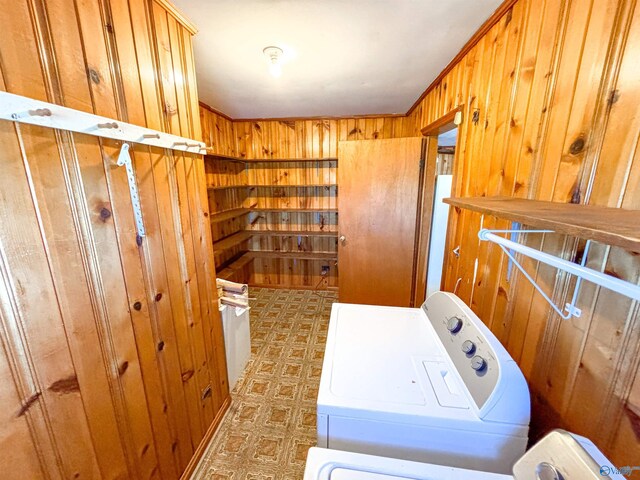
378, 183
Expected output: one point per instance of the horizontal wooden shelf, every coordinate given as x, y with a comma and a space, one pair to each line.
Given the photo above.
292, 287
612, 226
225, 187
298, 255
261, 160
230, 268
288, 233
231, 240
228, 214
329, 185
298, 210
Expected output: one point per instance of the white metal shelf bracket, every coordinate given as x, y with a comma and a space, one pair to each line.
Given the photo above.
125, 159
581, 271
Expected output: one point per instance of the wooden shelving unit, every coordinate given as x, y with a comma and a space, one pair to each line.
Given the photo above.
258, 237
612, 226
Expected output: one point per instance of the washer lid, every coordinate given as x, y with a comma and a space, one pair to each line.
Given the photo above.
327, 464
374, 350
350, 474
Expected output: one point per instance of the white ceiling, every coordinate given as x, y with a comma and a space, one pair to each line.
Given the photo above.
344, 57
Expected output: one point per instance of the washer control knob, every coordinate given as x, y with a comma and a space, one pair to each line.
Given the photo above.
478, 363
468, 347
454, 324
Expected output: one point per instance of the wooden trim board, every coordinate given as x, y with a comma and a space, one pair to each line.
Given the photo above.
178, 15
204, 443
481, 32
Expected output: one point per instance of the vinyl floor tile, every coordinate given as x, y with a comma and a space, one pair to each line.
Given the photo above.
271, 423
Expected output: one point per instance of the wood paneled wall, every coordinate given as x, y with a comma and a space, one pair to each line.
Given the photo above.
112, 361
556, 86
296, 138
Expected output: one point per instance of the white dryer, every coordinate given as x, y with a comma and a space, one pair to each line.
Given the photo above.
558, 456
429, 384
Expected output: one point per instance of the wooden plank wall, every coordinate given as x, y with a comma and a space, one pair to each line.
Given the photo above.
112, 359
555, 84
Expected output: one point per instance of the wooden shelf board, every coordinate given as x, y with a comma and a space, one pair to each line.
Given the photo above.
288, 233
253, 160
292, 287
306, 185
228, 214
231, 240
225, 187
611, 226
294, 210
317, 185
231, 266
298, 255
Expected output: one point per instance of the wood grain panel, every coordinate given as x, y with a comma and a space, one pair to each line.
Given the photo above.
120, 369
551, 81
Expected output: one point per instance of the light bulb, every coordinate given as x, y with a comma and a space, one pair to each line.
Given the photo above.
275, 70
274, 54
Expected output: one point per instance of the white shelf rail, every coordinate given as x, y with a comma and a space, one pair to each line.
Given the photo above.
581, 271
16, 108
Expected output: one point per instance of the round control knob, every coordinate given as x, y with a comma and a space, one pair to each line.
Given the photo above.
454, 324
478, 363
468, 347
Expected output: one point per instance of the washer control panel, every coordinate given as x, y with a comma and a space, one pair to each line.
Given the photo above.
467, 343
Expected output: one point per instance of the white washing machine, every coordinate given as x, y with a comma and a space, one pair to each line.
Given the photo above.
429, 384
558, 456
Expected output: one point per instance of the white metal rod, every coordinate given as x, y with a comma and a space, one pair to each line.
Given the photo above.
17, 108
622, 287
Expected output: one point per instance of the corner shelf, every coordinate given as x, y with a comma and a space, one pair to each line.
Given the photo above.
262, 160
613, 226
231, 240
317, 185
296, 210
298, 255
228, 214
294, 233
229, 269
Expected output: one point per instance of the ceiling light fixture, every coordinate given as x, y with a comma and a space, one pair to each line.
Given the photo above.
274, 55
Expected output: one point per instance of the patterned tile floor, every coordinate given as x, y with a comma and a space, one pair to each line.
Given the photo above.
272, 420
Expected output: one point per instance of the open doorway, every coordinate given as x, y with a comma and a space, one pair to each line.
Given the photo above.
446, 149
441, 139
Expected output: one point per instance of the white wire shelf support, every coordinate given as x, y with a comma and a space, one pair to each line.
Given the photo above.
580, 271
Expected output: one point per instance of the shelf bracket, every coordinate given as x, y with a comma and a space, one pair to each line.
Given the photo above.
581, 271
124, 158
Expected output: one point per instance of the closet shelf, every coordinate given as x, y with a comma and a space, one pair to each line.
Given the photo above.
262, 160
228, 214
306, 185
230, 268
298, 255
298, 210
231, 240
288, 233
612, 226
